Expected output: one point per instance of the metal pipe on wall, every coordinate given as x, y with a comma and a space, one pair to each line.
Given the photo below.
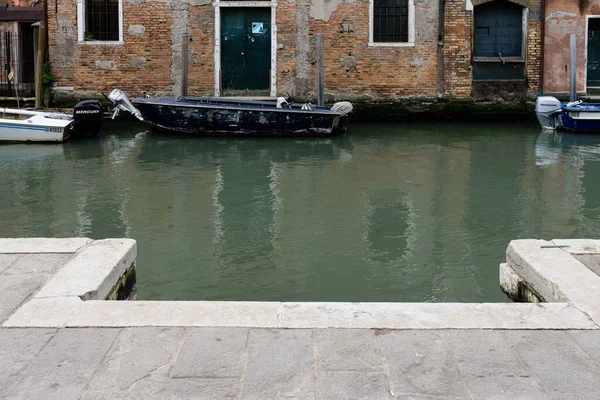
573, 67
320, 72
184, 64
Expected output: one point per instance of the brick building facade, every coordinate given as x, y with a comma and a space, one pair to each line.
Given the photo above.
374, 50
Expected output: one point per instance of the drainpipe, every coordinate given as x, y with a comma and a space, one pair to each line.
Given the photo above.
442, 5
542, 59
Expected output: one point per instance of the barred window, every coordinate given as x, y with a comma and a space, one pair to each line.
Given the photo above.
390, 20
101, 20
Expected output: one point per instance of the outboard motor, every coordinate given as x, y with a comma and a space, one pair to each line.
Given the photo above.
548, 112
87, 117
120, 101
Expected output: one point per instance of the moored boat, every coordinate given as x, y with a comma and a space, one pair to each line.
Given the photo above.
222, 116
577, 116
17, 125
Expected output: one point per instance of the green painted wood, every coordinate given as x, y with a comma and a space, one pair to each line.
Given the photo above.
245, 54
498, 32
593, 53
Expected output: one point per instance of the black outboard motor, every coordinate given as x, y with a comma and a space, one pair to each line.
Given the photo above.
87, 116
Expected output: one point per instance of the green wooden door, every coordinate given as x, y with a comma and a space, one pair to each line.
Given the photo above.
245, 48
593, 53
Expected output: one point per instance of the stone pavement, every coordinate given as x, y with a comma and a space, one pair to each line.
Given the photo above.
549, 351
228, 363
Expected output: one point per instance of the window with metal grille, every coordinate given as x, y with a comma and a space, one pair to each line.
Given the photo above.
390, 20
101, 20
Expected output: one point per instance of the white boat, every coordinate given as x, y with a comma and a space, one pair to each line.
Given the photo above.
34, 126
18, 125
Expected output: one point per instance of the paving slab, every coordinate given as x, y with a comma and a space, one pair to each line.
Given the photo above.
18, 347
64, 366
353, 386
6, 260
503, 388
483, 353
202, 389
137, 365
48, 264
589, 342
212, 353
348, 350
280, 364
557, 363
51, 312
42, 245
420, 364
15, 289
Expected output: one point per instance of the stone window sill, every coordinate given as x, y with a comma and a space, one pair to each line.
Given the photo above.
100, 42
499, 60
391, 44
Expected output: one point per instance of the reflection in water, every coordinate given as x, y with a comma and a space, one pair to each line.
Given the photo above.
385, 213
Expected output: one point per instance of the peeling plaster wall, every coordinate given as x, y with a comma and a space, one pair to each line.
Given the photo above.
562, 19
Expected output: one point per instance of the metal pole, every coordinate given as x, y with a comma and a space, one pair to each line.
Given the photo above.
573, 70
184, 63
40, 64
320, 72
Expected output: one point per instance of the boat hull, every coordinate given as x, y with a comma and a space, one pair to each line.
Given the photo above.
11, 131
581, 121
236, 119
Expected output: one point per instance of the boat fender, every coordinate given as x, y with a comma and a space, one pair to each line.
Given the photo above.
342, 107
281, 102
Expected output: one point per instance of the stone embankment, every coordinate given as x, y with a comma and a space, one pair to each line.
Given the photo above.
63, 336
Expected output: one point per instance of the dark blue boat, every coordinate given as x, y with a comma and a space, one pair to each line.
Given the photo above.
222, 116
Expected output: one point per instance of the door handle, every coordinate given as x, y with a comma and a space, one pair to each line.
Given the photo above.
242, 54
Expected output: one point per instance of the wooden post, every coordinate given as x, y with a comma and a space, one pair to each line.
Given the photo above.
184, 64
320, 72
573, 71
40, 64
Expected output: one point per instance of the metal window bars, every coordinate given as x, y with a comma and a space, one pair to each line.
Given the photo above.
16, 71
390, 21
101, 20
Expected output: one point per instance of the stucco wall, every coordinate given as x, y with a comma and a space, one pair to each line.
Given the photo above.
562, 19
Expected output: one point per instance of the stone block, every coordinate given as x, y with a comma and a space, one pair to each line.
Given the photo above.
18, 347
6, 260
589, 341
15, 289
503, 388
280, 365
44, 263
348, 350
420, 364
44, 313
92, 274
138, 62
560, 367
136, 30
42, 245
106, 65
202, 389
137, 365
64, 366
482, 353
353, 386
212, 353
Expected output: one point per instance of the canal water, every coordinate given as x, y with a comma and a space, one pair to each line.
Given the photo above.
384, 213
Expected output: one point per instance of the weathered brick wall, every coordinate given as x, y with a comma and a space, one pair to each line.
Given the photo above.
458, 32
458, 73
142, 64
148, 61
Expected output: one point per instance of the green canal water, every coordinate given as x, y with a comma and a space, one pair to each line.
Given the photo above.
384, 213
